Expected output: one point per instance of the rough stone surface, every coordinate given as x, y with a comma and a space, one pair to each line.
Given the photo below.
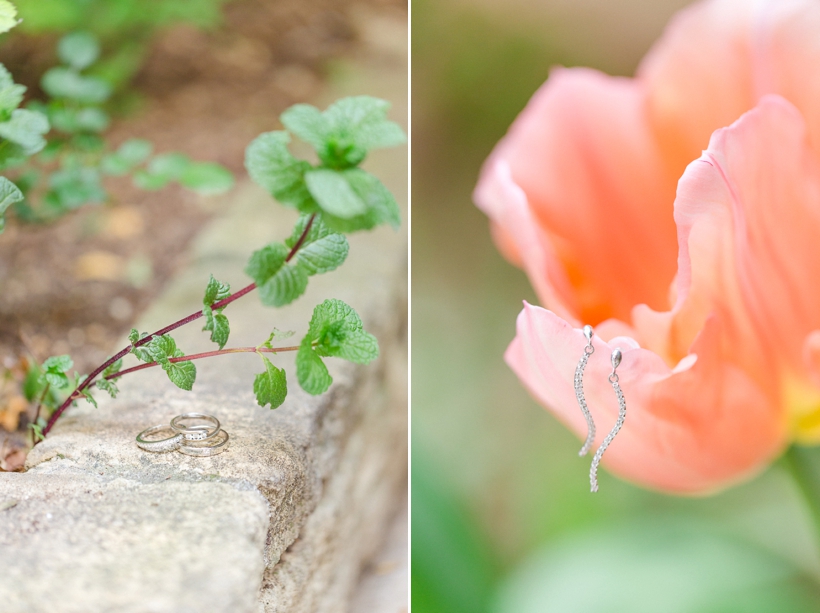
283, 521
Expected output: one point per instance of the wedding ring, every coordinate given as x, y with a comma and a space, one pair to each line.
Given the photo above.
171, 443
213, 446
196, 431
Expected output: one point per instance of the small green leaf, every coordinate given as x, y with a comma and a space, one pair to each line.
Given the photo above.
266, 262
334, 194
311, 371
215, 291
284, 287
271, 165
271, 386
87, 395
9, 194
8, 18
217, 324
141, 353
108, 386
181, 374
170, 165
67, 83
56, 379
308, 123
75, 186
207, 178
336, 330
322, 249
135, 151
26, 128
112, 369
11, 94
37, 430
58, 363
147, 181
78, 49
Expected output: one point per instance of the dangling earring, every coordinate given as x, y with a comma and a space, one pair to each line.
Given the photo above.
579, 391
613, 379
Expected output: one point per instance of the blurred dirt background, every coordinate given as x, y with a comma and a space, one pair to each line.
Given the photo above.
75, 286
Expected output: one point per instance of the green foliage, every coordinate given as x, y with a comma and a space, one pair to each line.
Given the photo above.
322, 250
78, 50
216, 322
348, 198
9, 194
161, 349
271, 386
8, 16
54, 371
335, 331
110, 386
344, 134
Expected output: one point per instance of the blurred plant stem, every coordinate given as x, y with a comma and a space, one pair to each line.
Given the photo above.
804, 465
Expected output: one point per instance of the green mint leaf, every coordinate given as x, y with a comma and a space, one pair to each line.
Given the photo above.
308, 123
161, 170
71, 121
380, 202
277, 334
147, 181
78, 49
181, 374
58, 363
9, 194
87, 395
271, 386
112, 369
363, 120
311, 371
215, 291
217, 324
271, 165
284, 287
56, 379
266, 262
68, 83
322, 250
336, 330
108, 386
334, 194
8, 19
26, 128
11, 94
141, 353
72, 187
135, 151
207, 178
37, 430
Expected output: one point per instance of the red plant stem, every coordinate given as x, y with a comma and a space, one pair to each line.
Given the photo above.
186, 320
187, 358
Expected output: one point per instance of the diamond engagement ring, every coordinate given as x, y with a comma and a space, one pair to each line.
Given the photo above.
196, 426
159, 445
205, 447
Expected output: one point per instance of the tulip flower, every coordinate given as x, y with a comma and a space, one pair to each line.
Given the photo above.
703, 268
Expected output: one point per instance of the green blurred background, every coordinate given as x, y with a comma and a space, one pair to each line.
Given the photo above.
502, 517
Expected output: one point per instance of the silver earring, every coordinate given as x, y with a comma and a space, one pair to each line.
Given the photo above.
613, 379
579, 391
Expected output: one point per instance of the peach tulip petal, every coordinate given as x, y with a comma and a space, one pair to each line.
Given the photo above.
691, 429
517, 234
748, 216
585, 161
717, 58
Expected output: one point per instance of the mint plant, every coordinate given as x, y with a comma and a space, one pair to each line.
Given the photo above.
335, 197
56, 150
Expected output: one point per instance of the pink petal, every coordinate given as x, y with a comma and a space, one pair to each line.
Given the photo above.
717, 58
692, 429
589, 175
748, 215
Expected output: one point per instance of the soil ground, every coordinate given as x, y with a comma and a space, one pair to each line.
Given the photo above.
75, 286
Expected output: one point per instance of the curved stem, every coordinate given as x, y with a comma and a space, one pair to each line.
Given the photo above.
185, 320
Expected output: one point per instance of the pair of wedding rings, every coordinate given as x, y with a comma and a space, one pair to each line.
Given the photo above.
194, 434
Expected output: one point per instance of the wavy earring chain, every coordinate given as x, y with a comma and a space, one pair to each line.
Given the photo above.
579, 391
613, 379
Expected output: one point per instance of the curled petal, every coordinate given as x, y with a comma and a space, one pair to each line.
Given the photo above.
690, 429
589, 174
